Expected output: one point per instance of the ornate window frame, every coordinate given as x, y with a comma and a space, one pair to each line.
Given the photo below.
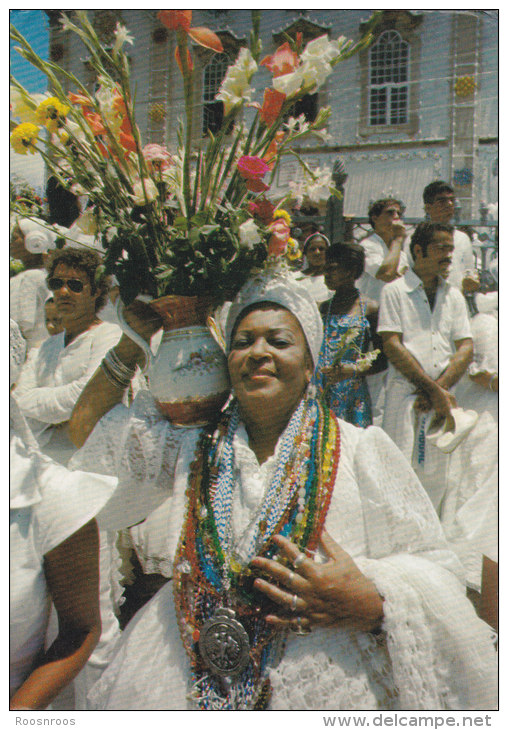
404, 24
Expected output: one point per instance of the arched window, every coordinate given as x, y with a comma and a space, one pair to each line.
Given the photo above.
213, 74
389, 80
390, 75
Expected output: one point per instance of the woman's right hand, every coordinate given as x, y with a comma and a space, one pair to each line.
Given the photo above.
145, 321
142, 319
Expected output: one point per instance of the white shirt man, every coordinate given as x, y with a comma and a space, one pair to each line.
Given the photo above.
439, 204
51, 382
385, 261
427, 339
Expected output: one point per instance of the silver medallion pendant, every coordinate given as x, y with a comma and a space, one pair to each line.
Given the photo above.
224, 644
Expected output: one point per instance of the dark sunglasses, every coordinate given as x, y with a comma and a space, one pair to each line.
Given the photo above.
55, 283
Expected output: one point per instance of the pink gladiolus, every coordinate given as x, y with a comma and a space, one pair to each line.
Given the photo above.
283, 61
281, 234
157, 156
252, 168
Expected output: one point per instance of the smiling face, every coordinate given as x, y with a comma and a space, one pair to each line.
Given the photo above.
269, 363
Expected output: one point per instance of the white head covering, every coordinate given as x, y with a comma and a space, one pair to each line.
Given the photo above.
280, 289
39, 238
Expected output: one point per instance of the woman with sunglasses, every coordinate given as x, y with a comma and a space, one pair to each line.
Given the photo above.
52, 381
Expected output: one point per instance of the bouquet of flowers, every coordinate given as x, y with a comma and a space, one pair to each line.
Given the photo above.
190, 221
337, 370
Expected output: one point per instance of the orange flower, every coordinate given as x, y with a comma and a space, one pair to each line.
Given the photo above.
283, 61
95, 123
179, 60
181, 20
206, 38
127, 141
271, 153
272, 104
104, 150
125, 127
119, 103
80, 99
175, 19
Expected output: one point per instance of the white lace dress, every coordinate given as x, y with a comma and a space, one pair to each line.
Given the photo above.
434, 653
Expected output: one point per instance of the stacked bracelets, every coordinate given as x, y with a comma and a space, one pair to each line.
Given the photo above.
116, 371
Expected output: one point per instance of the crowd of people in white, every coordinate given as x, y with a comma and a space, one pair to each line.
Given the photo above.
410, 524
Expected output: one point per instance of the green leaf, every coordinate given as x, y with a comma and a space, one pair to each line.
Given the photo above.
180, 223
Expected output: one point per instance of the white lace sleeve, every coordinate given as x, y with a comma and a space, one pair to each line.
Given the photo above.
485, 339
138, 446
441, 653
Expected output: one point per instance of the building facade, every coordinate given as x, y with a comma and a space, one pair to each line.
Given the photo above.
421, 103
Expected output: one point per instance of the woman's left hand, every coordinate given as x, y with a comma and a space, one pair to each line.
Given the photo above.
335, 593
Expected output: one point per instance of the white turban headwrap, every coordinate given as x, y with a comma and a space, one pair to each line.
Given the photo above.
39, 238
280, 289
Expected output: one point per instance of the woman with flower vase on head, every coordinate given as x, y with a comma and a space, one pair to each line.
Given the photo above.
349, 329
296, 584
309, 570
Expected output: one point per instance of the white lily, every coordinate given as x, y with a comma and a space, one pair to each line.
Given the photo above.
122, 36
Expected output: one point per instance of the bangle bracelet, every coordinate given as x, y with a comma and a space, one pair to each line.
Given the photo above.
113, 377
117, 365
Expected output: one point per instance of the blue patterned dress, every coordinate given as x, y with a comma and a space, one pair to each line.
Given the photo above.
349, 399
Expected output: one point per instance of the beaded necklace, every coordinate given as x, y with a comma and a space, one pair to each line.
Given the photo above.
211, 579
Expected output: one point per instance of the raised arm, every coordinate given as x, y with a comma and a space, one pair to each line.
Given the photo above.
388, 270
103, 393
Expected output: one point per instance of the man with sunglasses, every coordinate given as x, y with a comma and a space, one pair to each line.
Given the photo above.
439, 203
385, 260
47, 390
52, 381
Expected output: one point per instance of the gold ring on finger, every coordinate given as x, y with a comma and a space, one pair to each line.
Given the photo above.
291, 577
294, 600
